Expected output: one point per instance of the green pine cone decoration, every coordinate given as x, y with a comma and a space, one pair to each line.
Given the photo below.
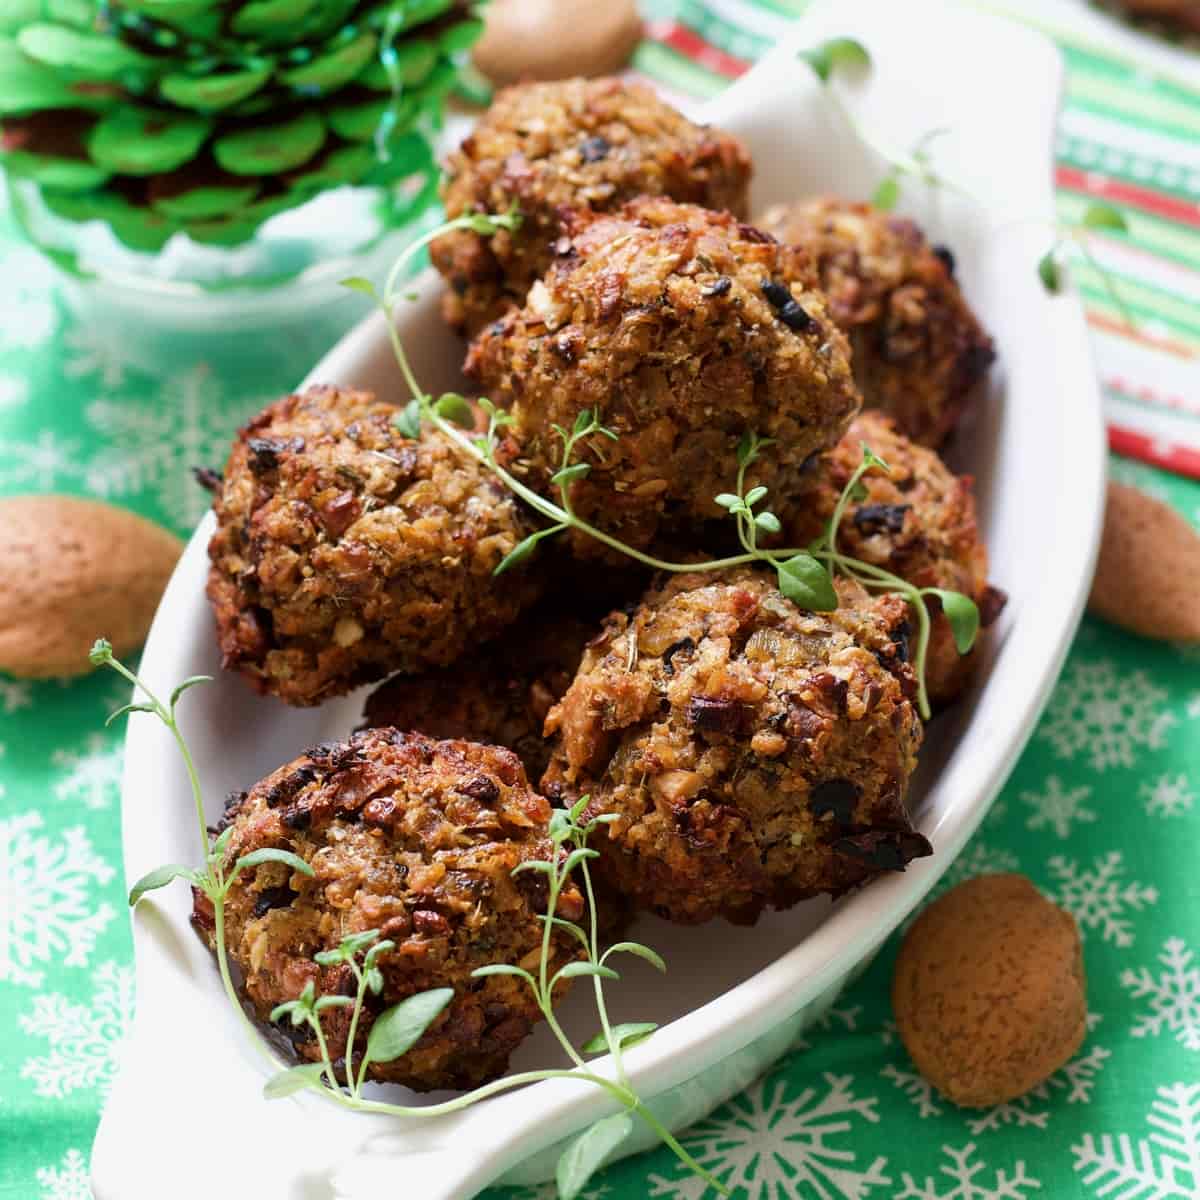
210, 116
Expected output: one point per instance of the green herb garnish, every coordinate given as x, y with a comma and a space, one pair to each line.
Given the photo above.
1072, 238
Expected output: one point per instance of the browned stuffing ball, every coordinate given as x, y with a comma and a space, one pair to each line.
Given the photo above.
414, 838
1177, 14
918, 349
582, 144
918, 522
683, 330
753, 753
345, 550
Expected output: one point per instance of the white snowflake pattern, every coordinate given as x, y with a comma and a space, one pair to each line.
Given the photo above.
916, 1088
843, 1019
84, 1039
93, 774
1193, 706
68, 1181
1099, 898
1163, 1166
549, 1191
964, 1172
13, 695
1174, 996
14, 391
45, 907
1105, 714
90, 353
778, 1148
1167, 796
152, 447
28, 312
1056, 808
45, 463
1072, 1084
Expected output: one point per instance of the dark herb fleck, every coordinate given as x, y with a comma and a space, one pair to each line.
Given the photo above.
874, 518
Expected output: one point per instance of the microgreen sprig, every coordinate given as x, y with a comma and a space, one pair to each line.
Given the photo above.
1068, 238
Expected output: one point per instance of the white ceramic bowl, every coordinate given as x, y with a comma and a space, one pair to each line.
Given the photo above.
733, 1001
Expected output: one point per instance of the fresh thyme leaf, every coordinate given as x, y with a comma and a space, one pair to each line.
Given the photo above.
768, 522
1048, 271
574, 970
160, 877
129, 708
568, 475
523, 549
397, 1029
651, 956
101, 652
190, 682
586, 1154
583, 422
333, 1002
298, 1010
534, 864
858, 492
356, 283
1103, 216
728, 501
576, 809
747, 450
454, 407
837, 52
374, 980
218, 847
886, 194
298, 1079
629, 1034
754, 495
962, 613
273, 854
501, 969
347, 948
582, 854
561, 826
804, 581
408, 420
376, 950
871, 459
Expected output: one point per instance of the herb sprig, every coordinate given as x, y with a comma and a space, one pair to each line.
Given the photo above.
397, 1029
804, 574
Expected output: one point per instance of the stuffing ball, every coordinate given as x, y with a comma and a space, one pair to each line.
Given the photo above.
579, 143
918, 522
752, 752
989, 990
415, 838
918, 348
345, 550
683, 330
1182, 15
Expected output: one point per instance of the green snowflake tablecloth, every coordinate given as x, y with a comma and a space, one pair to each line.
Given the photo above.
1102, 811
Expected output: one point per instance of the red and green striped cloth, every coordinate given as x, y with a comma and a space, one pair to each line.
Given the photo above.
1129, 135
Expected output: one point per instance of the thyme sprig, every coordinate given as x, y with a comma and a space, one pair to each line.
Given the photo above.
398, 1028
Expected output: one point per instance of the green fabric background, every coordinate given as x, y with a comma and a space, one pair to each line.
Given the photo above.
1101, 811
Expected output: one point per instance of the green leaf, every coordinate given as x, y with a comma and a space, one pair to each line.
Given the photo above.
397, 1029
576, 857
858, 493
101, 652
962, 613
190, 682
768, 522
561, 826
626, 1035
519, 553
129, 708
728, 500
565, 476
408, 420
1104, 216
298, 1079
160, 877
333, 1002
272, 854
1049, 273
586, 1154
356, 283
837, 52
534, 864
576, 809
453, 407
747, 449
218, 847
804, 581
575, 970
583, 422
651, 956
871, 459
378, 949
754, 495
501, 969
887, 194
374, 980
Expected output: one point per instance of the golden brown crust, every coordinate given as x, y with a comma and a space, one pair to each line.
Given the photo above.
344, 550
753, 753
682, 329
415, 838
918, 522
918, 350
1178, 14
588, 144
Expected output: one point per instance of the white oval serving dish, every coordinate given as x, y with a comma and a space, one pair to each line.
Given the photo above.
731, 1004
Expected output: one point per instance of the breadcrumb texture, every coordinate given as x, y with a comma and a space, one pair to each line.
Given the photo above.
683, 330
588, 144
345, 550
753, 754
918, 348
918, 522
418, 839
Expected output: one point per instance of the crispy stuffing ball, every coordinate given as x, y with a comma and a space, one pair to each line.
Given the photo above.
415, 838
918, 522
345, 550
753, 753
683, 330
918, 348
1180, 14
582, 144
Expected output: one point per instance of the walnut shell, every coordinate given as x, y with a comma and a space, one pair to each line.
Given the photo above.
73, 570
989, 992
